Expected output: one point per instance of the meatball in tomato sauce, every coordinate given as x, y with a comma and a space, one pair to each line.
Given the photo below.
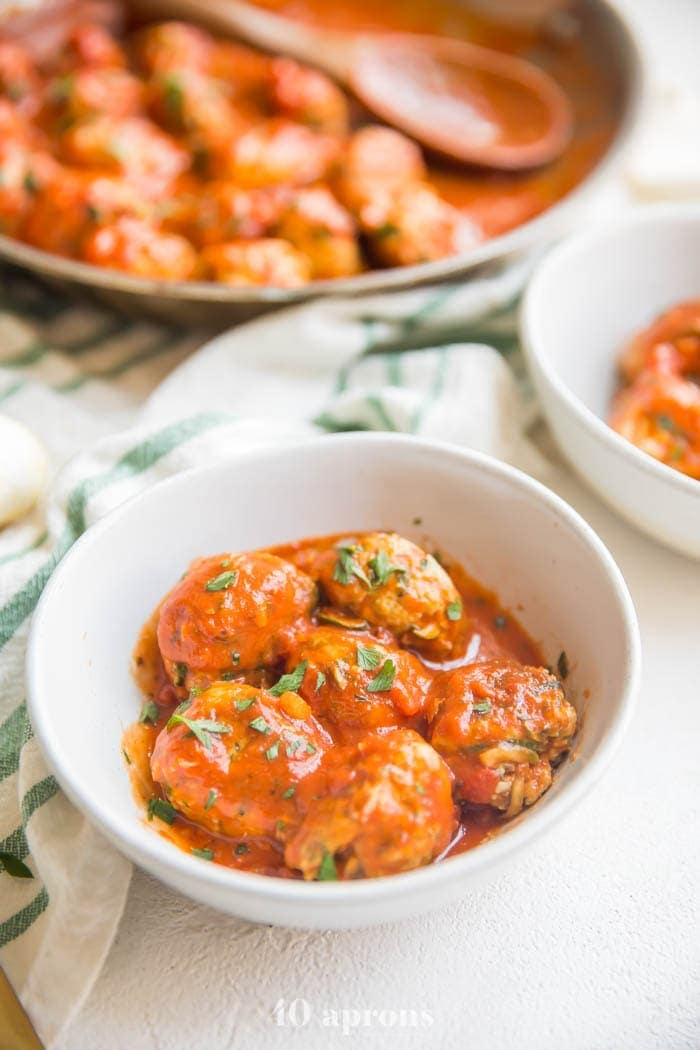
499, 726
392, 583
230, 614
234, 758
388, 808
357, 682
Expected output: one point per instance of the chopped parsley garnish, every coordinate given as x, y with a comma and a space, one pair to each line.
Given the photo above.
183, 706
243, 705
289, 683
417, 521
14, 866
222, 581
387, 230
173, 96
384, 679
420, 789
194, 691
227, 676
483, 708
127, 757
297, 744
382, 570
240, 849
272, 751
320, 680
211, 799
288, 793
158, 807
179, 673
205, 854
454, 610
259, 725
235, 657
201, 728
149, 713
368, 659
327, 871
346, 567
499, 622
563, 665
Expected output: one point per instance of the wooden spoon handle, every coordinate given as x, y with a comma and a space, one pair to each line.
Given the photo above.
322, 48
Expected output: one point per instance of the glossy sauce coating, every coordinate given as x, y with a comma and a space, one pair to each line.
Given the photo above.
295, 725
658, 405
172, 154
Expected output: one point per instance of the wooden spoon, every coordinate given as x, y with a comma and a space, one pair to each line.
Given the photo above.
470, 103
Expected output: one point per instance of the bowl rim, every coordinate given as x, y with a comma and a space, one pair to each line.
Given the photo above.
534, 301
162, 857
547, 224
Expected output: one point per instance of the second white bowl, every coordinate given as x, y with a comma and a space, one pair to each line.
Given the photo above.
586, 300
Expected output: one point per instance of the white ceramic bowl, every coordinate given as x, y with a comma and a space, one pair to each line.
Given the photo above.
508, 530
584, 302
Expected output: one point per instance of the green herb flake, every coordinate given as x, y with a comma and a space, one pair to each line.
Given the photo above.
384, 679
499, 622
149, 713
563, 665
222, 581
259, 725
483, 708
179, 673
289, 792
14, 866
327, 871
382, 570
194, 692
211, 799
346, 567
420, 789
240, 849
289, 683
235, 657
417, 521
454, 610
243, 705
201, 728
158, 807
127, 757
297, 744
204, 854
173, 96
368, 659
227, 676
273, 751
387, 230
320, 680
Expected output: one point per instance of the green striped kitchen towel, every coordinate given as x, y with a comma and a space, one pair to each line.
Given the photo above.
429, 361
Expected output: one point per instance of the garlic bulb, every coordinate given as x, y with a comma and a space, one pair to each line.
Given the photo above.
23, 470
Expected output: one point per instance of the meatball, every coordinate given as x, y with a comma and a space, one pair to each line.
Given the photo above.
92, 92
19, 79
358, 682
269, 261
671, 343
188, 102
316, 224
67, 206
499, 726
307, 96
233, 759
390, 582
660, 413
171, 46
90, 44
388, 808
134, 147
377, 157
138, 247
280, 151
229, 614
410, 224
224, 212
244, 71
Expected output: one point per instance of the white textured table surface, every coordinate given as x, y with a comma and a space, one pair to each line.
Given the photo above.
590, 942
